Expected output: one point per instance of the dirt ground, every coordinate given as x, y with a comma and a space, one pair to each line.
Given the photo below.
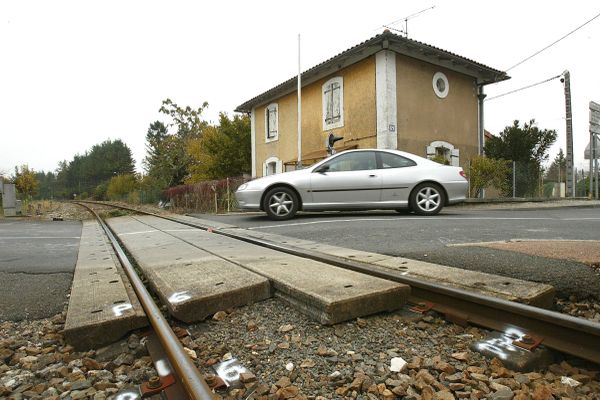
583, 251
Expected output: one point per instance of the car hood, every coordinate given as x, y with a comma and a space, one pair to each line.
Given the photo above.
260, 183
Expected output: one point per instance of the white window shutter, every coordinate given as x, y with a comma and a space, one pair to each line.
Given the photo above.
454, 159
273, 121
335, 94
328, 103
265, 169
430, 151
279, 167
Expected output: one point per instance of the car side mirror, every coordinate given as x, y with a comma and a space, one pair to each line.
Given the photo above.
322, 169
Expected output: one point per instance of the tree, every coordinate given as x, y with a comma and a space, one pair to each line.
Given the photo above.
487, 172
165, 154
528, 146
528, 143
120, 186
25, 181
168, 160
557, 171
47, 183
187, 120
222, 151
85, 172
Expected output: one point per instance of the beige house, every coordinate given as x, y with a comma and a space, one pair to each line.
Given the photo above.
387, 92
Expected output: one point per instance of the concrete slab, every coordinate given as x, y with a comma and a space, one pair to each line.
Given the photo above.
324, 292
191, 282
533, 293
526, 292
102, 306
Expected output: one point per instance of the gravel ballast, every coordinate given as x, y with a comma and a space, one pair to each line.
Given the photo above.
294, 357
290, 357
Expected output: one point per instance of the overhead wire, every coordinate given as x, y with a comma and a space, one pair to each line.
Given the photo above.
553, 43
523, 88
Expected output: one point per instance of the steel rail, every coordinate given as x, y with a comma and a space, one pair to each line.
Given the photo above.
562, 332
185, 369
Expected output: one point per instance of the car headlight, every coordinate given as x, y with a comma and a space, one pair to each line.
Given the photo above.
242, 187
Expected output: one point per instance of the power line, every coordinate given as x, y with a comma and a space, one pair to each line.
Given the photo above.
553, 43
523, 88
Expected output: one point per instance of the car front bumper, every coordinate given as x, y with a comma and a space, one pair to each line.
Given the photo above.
249, 199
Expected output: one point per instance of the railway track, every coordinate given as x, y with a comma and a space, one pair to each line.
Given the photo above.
523, 326
178, 376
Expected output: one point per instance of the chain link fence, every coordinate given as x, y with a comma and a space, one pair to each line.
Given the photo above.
528, 180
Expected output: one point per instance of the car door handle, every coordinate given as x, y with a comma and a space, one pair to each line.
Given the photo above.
372, 176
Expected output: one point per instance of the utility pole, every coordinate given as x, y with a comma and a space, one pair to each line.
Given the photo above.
299, 163
594, 131
570, 178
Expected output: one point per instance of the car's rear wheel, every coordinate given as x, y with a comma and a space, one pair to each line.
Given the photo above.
281, 203
427, 199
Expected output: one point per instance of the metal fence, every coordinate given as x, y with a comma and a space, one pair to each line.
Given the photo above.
529, 180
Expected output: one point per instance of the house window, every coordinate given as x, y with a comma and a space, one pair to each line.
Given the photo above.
333, 103
271, 122
272, 166
440, 85
443, 152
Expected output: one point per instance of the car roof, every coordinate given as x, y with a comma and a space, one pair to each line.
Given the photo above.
399, 152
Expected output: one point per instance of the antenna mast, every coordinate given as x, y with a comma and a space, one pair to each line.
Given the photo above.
405, 19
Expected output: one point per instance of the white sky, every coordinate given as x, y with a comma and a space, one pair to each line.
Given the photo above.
75, 73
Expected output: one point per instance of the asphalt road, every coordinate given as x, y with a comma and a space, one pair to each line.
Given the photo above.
37, 259
431, 239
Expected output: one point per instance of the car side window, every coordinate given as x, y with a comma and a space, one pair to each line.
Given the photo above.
355, 161
389, 160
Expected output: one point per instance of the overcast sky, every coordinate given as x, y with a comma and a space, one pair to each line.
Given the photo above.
75, 73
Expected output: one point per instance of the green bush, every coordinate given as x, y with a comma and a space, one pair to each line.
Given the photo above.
486, 172
120, 186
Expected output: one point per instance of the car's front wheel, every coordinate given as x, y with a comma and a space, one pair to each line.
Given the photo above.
281, 203
427, 199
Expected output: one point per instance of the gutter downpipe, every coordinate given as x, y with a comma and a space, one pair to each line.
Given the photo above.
481, 97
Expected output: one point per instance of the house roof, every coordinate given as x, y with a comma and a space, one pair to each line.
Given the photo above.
386, 40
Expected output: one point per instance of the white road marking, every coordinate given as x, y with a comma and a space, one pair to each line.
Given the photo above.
424, 219
580, 219
137, 233
38, 237
520, 240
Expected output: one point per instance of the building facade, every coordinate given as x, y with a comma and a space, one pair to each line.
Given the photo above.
387, 92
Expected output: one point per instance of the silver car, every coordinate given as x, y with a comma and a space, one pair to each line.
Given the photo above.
358, 180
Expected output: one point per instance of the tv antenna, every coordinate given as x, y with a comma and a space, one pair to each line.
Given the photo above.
406, 19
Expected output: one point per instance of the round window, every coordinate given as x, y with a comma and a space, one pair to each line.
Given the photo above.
440, 85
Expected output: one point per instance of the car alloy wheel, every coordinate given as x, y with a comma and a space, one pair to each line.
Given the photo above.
281, 203
427, 199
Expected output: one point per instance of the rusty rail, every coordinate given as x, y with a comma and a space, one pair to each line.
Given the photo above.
186, 371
